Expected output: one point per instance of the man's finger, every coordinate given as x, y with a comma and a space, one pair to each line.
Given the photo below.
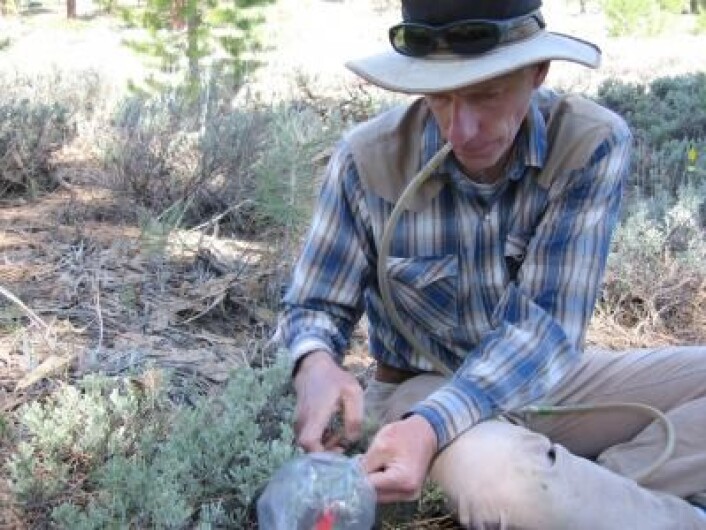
312, 424
310, 441
391, 486
372, 463
353, 410
337, 443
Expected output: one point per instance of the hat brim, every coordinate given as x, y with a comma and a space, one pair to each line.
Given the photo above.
428, 75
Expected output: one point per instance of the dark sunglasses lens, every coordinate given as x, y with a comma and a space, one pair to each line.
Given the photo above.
472, 37
411, 40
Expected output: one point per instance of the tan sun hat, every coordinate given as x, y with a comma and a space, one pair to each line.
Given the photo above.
444, 45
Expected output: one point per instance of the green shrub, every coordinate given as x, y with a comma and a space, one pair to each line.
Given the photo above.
85, 93
285, 180
74, 431
655, 276
668, 120
672, 6
29, 133
39, 115
212, 161
166, 152
632, 17
701, 22
113, 455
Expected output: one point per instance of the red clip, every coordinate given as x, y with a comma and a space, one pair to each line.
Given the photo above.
326, 521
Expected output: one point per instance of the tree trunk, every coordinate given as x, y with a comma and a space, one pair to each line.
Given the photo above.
177, 15
583, 6
70, 8
694, 7
192, 46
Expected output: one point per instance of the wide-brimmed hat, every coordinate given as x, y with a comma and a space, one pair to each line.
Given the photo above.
444, 45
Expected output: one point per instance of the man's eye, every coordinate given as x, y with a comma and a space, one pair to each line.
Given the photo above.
494, 94
437, 100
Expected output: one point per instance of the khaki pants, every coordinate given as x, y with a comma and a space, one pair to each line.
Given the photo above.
570, 472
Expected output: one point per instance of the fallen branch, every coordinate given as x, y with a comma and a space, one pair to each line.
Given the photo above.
27, 311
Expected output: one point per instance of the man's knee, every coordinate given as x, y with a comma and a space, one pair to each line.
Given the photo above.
495, 473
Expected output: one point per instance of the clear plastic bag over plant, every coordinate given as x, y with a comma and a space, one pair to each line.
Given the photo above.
318, 491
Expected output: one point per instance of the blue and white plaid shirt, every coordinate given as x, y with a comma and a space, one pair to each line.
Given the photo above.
497, 281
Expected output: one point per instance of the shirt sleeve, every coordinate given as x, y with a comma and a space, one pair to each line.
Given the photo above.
540, 322
324, 300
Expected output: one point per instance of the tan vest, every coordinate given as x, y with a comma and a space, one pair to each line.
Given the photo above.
387, 149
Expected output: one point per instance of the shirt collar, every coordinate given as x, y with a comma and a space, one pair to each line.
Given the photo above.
533, 135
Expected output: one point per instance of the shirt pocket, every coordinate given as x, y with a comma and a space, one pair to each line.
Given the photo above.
425, 289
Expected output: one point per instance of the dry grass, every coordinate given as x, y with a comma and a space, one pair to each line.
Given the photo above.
668, 311
112, 298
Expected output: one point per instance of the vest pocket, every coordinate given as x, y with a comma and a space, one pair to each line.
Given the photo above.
425, 289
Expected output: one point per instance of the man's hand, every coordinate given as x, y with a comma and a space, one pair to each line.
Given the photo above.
399, 457
323, 388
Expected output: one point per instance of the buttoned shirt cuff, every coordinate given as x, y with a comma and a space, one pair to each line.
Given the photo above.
304, 344
452, 410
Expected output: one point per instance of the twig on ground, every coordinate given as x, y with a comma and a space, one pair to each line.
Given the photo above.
221, 215
27, 311
99, 315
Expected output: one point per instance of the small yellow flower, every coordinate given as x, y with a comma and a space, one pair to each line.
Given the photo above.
692, 155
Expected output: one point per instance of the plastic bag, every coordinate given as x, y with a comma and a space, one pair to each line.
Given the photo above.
318, 491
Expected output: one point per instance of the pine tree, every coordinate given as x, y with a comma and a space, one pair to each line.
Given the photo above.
186, 38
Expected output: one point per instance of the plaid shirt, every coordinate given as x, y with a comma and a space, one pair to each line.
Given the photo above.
497, 281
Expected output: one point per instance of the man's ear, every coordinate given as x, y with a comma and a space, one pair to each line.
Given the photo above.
540, 74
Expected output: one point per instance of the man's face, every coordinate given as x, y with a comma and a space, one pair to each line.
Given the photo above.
481, 121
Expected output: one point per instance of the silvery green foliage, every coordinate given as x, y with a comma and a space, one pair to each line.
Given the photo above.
661, 226
40, 113
153, 466
656, 266
167, 151
668, 119
29, 133
85, 424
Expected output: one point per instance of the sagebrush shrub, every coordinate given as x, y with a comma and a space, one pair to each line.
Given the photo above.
629, 17
668, 119
672, 6
112, 454
40, 114
666, 108
74, 431
162, 154
701, 21
247, 165
655, 278
29, 133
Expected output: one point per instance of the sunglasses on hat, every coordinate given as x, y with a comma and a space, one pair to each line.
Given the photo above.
463, 37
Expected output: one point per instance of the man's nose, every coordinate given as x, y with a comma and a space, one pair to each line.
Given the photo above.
464, 123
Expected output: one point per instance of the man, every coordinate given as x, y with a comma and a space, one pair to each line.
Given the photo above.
494, 269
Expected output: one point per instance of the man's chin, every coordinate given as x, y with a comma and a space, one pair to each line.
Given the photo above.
476, 165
